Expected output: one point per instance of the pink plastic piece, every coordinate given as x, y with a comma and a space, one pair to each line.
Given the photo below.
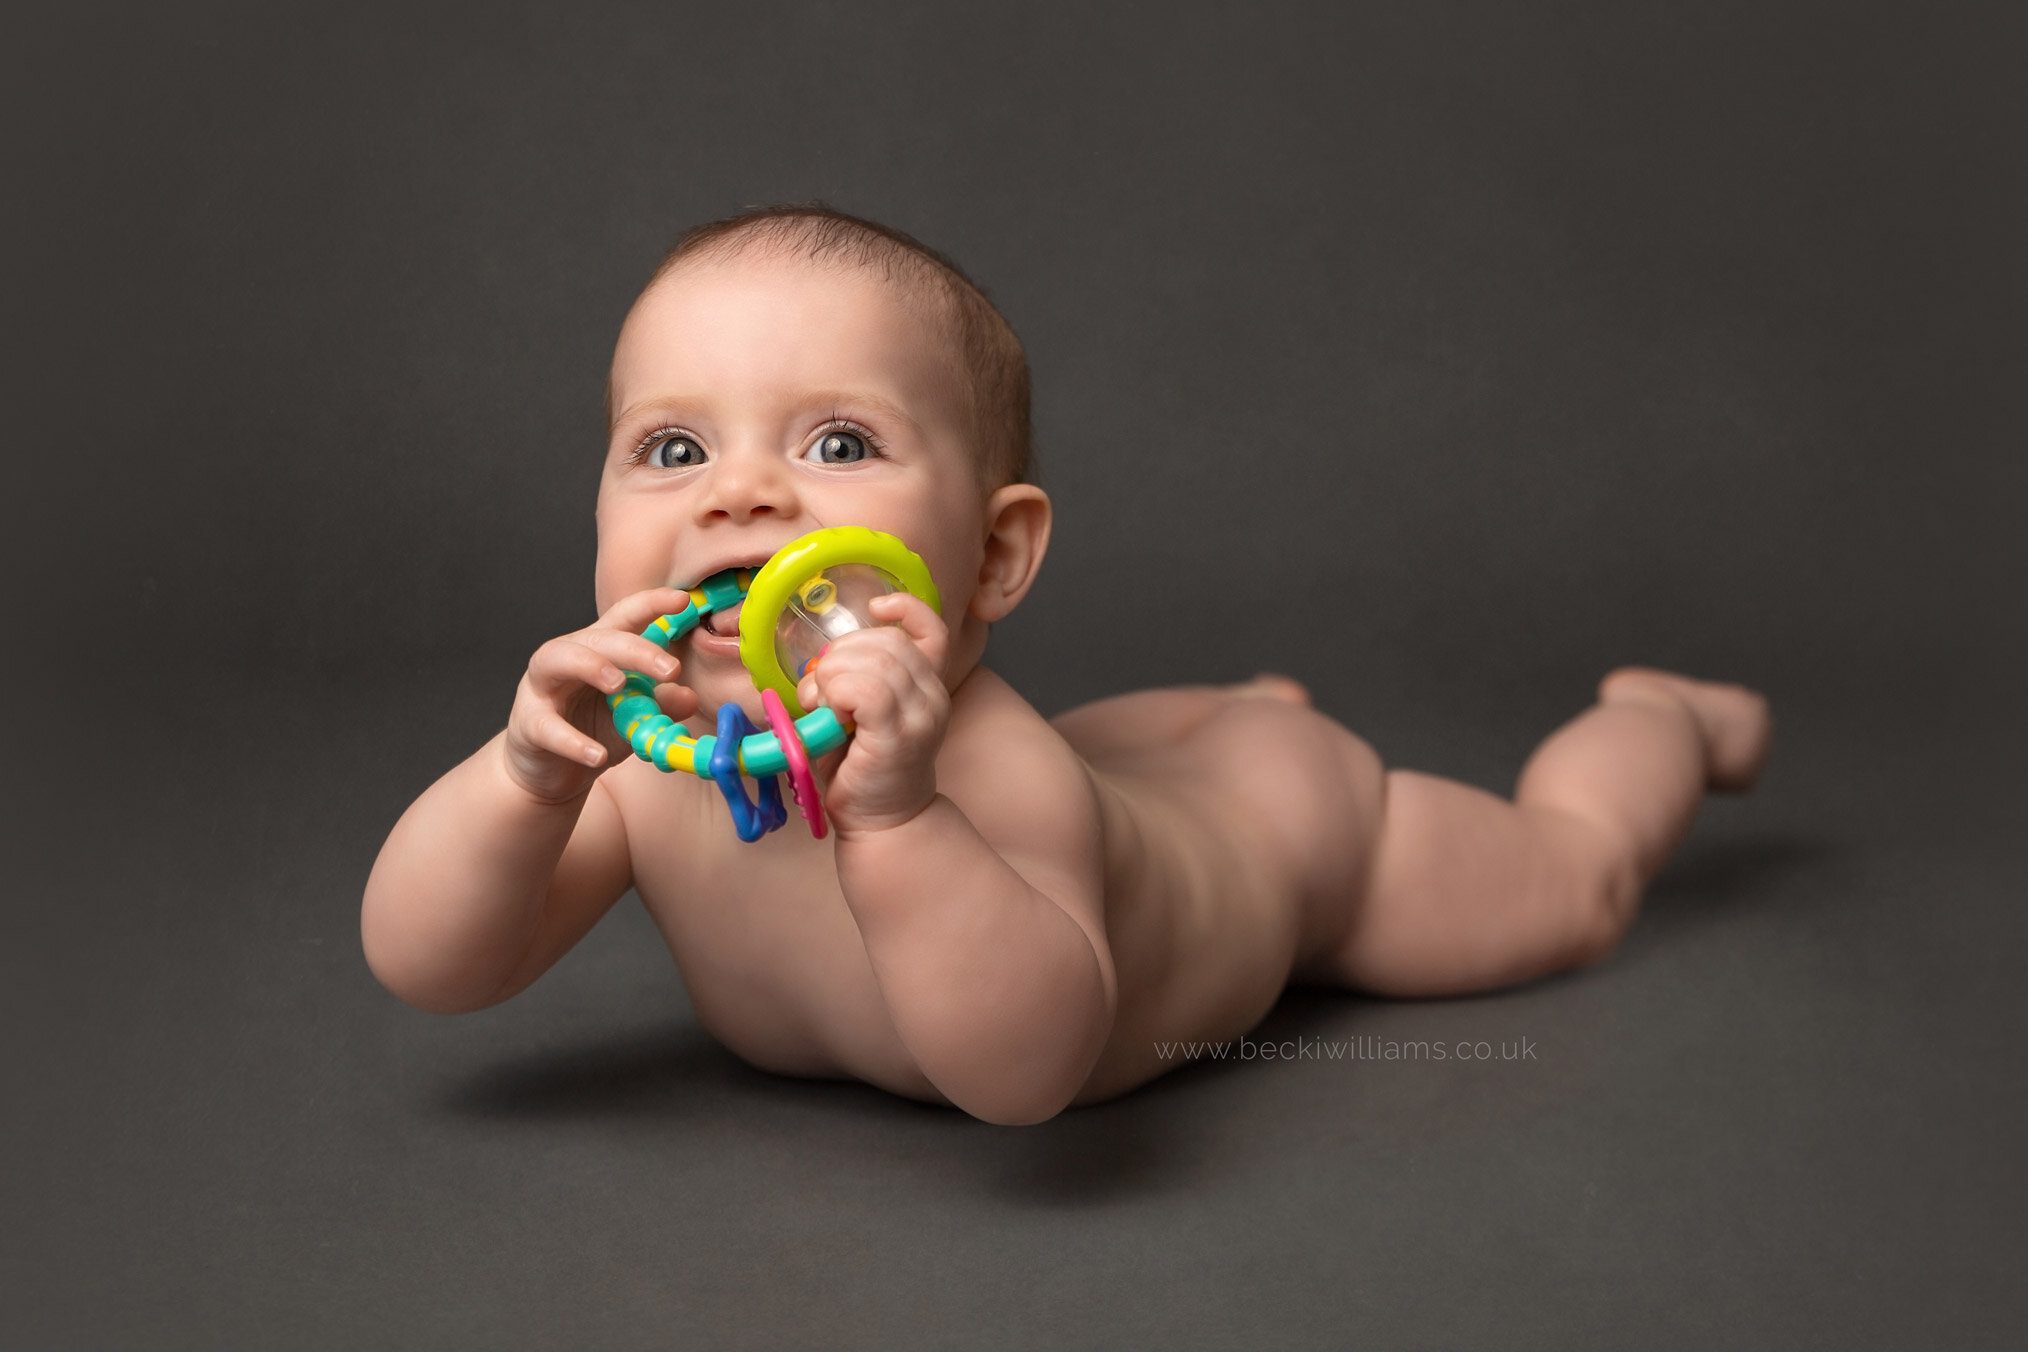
802, 784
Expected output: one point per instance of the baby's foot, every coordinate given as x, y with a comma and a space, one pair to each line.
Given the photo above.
1269, 685
1734, 720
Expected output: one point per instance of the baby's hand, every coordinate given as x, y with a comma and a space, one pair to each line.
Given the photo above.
887, 683
560, 735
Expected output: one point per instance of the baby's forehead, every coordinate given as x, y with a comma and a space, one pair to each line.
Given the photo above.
772, 270
768, 301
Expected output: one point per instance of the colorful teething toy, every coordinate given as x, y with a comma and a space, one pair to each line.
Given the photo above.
812, 592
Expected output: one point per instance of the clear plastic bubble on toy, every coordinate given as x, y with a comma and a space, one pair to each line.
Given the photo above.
812, 592
825, 609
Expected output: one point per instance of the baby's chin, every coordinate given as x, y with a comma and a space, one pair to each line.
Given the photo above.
718, 679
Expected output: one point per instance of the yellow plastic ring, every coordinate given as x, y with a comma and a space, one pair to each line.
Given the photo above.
793, 565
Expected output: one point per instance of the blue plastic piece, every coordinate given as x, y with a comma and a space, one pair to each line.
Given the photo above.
751, 820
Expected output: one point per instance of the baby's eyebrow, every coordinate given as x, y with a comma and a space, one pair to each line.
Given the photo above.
886, 408
661, 407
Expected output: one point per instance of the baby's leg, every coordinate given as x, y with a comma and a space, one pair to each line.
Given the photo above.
1469, 891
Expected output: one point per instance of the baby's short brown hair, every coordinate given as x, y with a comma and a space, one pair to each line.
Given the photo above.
994, 365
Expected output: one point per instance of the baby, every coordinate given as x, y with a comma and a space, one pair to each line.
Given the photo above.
1011, 911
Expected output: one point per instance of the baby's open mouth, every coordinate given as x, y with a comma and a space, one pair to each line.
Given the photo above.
723, 623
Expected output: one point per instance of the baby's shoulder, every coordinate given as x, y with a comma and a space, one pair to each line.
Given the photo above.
1001, 758
990, 721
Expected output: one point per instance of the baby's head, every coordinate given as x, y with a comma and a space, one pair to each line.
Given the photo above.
795, 367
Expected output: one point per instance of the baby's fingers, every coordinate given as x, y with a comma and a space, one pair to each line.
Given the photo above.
915, 618
563, 663
635, 613
629, 652
865, 697
547, 730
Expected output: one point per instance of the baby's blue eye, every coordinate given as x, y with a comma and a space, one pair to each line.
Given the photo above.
838, 448
675, 452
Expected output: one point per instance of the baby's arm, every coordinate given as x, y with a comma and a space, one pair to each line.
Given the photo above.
509, 859
985, 930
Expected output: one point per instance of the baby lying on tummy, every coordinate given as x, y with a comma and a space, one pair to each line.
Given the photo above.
1011, 911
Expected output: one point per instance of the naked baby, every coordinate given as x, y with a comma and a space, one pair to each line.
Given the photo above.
1010, 911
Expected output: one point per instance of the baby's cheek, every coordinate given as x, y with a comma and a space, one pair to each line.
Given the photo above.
608, 586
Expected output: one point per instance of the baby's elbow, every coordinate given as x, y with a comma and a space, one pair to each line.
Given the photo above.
400, 979
1027, 1089
1024, 1119
404, 971
434, 1000
1016, 1109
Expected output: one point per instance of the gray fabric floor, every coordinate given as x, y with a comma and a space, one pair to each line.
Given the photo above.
1443, 355
1787, 1112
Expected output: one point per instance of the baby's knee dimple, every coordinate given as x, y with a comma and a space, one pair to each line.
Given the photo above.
1599, 870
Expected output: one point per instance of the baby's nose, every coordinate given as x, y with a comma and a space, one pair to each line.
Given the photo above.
747, 487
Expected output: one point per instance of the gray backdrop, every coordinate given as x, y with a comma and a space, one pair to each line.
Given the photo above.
1449, 353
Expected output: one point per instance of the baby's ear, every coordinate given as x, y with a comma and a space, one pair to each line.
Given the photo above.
1017, 536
